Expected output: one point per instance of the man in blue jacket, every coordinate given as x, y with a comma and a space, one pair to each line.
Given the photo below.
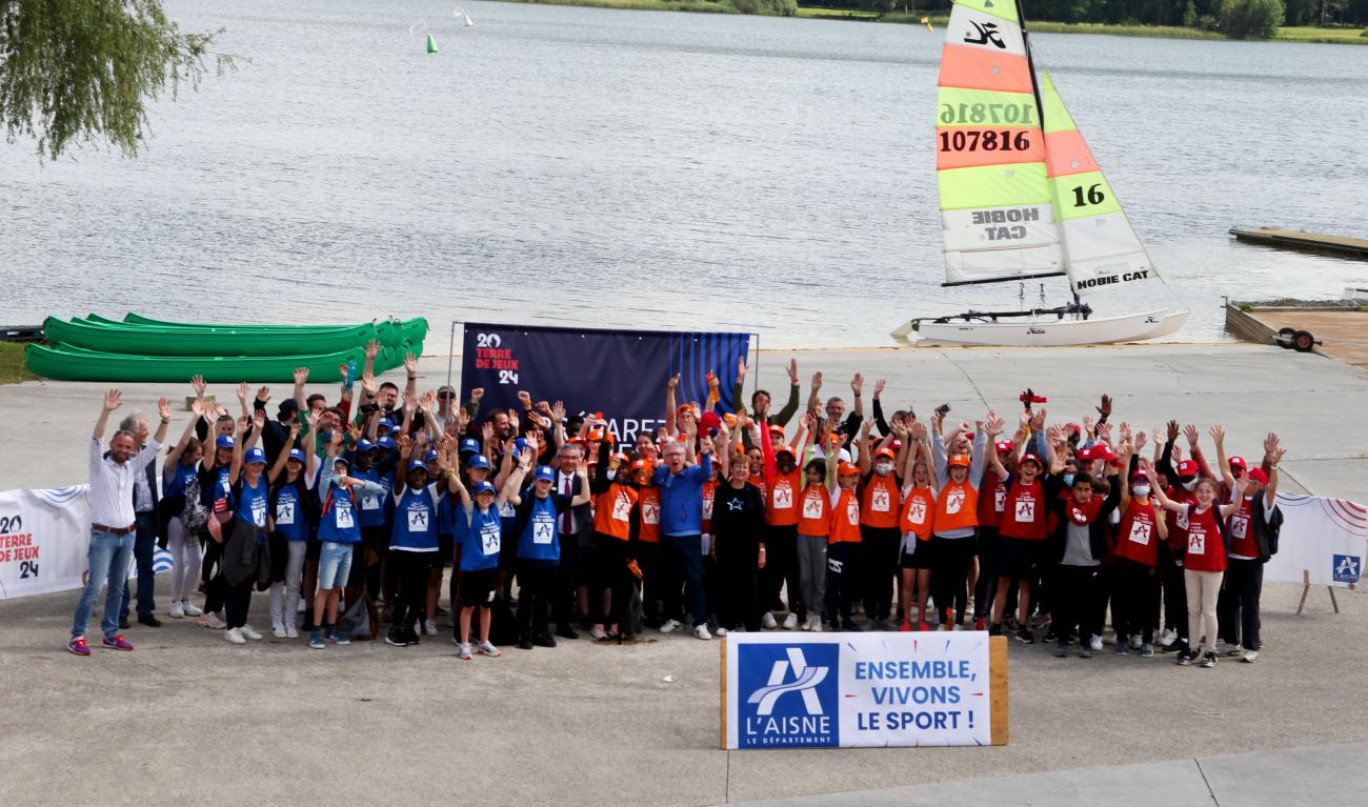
681, 532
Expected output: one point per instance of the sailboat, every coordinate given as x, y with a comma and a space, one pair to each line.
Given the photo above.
1022, 197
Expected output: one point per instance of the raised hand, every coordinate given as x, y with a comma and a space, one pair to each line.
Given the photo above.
994, 424
857, 383
1271, 443
368, 385
513, 422
1190, 432
879, 387
197, 408
1275, 456
354, 432
1173, 430
197, 384
899, 429
1217, 433
259, 419
740, 367
112, 400
264, 394
525, 398
410, 401
372, 349
405, 444
673, 383
243, 391
476, 394
301, 376
558, 411
164, 408
918, 431
411, 364
1104, 432
1038, 420
294, 430
793, 371
817, 381
1140, 442
428, 401
487, 431
1105, 409
219, 411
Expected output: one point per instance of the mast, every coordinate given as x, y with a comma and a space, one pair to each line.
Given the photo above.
1030, 62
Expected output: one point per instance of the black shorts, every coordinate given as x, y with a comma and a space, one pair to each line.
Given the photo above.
478, 588
921, 557
314, 549
1020, 557
446, 547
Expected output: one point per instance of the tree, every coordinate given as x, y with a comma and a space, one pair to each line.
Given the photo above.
1251, 19
83, 70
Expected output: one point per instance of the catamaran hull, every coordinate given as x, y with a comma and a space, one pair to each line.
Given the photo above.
1052, 332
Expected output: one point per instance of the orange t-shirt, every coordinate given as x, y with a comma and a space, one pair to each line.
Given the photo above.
782, 509
613, 515
649, 501
815, 518
845, 519
957, 507
879, 501
918, 510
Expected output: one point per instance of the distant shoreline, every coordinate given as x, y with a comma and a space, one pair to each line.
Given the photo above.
1308, 34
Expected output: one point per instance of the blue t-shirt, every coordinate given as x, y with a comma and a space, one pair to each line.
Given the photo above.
372, 505
176, 478
338, 520
540, 538
288, 511
253, 502
681, 498
481, 541
415, 523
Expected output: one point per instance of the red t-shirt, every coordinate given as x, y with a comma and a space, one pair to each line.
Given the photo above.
1241, 526
1024, 516
1205, 545
1138, 537
992, 501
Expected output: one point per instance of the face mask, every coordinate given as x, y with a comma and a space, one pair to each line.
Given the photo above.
1190, 486
1141, 490
1068, 480
883, 469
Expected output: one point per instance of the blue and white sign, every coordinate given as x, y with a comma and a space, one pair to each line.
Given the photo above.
1346, 568
857, 689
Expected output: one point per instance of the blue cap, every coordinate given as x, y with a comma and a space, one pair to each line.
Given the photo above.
483, 487
470, 446
386, 423
386, 442
431, 456
478, 461
296, 454
545, 472
364, 445
225, 441
342, 460
520, 445
254, 455
417, 465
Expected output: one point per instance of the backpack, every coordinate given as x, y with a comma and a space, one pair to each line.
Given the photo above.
195, 514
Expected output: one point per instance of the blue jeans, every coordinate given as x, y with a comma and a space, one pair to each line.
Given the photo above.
334, 565
143, 547
109, 557
681, 567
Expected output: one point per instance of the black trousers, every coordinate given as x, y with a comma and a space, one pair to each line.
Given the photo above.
781, 569
652, 587
1078, 604
879, 569
377, 540
950, 576
237, 600
215, 587
606, 567
985, 590
563, 601
1237, 609
739, 590
410, 571
537, 584
843, 574
1135, 600
1175, 591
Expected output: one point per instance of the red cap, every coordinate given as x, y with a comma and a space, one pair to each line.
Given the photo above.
1084, 454
886, 452
1187, 468
848, 469
708, 422
1238, 462
1104, 452
1004, 445
895, 445
1258, 475
1032, 458
960, 460
1139, 477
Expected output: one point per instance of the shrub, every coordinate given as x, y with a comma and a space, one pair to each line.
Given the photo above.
1251, 19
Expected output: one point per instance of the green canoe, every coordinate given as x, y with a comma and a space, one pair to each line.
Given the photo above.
149, 340
414, 330
68, 363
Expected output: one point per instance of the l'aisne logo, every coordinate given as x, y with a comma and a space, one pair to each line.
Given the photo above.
789, 695
1347, 568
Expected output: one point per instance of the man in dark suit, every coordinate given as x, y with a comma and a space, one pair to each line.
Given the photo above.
145, 501
576, 525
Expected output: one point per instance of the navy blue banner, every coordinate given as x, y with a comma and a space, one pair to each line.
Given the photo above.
622, 374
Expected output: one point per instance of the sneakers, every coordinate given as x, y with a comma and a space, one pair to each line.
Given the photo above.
566, 632
525, 644
769, 623
851, 626
720, 631
1146, 650
923, 626
1025, 635
980, 623
886, 625
1095, 643
488, 649
815, 623
189, 609
701, 632
1123, 648
597, 633
1186, 657
1233, 650
1085, 652
396, 639
251, 633
1168, 637
212, 621
176, 611
1209, 660
117, 643
291, 632
544, 640
672, 625
340, 638
278, 630
1061, 650
791, 621
316, 639
905, 627
78, 647
1136, 641
430, 627
234, 636
1250, 656
150, 620
462, 652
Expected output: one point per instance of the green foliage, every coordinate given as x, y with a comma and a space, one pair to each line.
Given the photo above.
1251, 19
83, 70
774, 8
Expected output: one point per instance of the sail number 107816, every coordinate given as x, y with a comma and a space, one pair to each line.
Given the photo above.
989, 140
987, 113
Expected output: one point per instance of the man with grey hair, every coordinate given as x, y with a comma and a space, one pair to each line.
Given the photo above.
112, 522
681, 532
145, 503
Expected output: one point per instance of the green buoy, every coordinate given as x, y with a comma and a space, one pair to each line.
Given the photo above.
432, 44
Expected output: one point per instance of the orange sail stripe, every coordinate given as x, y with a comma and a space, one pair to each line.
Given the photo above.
965, 147
1068, 154
977, 69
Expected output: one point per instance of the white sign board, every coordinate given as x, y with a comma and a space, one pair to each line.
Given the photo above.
1328, 538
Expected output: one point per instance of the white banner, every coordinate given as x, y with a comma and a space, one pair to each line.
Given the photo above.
1326, 537
44, 538
827, 690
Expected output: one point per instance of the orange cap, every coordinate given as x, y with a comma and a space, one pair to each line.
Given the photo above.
961, 460
848, 469
886, 452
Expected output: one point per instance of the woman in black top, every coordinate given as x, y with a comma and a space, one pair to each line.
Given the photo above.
738, 523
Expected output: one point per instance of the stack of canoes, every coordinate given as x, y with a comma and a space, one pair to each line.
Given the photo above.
140, 349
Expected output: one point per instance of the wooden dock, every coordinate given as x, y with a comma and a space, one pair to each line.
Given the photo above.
1295, 239
1343, 329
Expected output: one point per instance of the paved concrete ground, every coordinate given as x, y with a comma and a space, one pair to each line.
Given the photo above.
189, 719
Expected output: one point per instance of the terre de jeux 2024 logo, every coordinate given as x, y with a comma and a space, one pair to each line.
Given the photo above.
789, 695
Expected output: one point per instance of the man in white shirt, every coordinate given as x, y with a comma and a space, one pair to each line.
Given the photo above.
113, 522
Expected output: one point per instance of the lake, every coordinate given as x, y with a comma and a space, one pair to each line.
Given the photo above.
582, 166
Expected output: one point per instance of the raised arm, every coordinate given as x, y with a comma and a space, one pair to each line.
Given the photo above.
197, 412
1218, 437
1271, 461
670, 418
511, 491
791, 404
235, 468
405, 452
112, 400
411, 369
865, 452
284, 455
1236, 498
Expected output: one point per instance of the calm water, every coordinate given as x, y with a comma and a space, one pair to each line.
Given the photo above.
589, 166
